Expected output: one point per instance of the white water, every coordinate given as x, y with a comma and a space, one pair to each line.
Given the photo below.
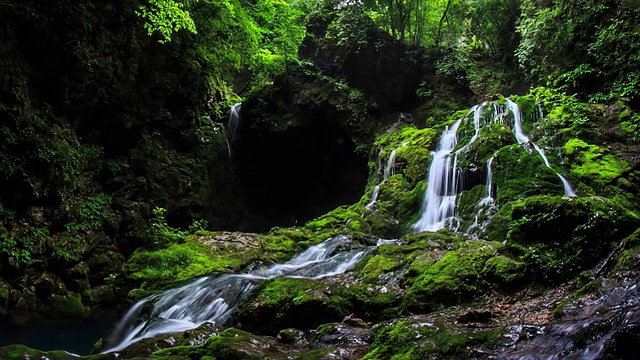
488, 199
214, 298
232, 125
524, 139
440, 197
388, 172
439, 203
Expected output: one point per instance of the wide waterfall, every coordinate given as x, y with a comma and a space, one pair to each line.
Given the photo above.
445, 177
214, 298
440, 197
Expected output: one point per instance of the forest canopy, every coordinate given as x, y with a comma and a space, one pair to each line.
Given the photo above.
585, 47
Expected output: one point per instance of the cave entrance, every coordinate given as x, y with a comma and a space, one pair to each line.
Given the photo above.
289, 177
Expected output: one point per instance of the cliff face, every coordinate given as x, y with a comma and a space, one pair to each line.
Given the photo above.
100, 124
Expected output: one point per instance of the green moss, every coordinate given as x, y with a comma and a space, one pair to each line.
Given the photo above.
592, 164
67, 305
21, 352
158, 269
458, 277
629, 259
378, 265
407, 341
519, 174
559, 237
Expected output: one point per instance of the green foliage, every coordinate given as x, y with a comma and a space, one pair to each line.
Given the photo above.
91, 214
160, 233
164, 17
159, 269
583, 46
349, 28
19, 243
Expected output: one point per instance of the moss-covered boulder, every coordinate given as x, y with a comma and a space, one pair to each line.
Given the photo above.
305, 304
152, 269
520, 172
409, 339
473, 269
21, 352
559, 236
595, 166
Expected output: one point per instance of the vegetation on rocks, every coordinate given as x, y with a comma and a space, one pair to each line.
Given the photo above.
122, 174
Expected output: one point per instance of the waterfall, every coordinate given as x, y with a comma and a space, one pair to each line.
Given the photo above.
214, 298
444, 183
523, 139
232, 124
388, 172
488, 199
442, 188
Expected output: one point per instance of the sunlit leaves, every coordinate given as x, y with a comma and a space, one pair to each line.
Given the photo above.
164, 17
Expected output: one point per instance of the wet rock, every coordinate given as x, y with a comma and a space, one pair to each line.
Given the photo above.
475, 316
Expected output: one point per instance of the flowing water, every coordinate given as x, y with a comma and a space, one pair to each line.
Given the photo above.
524, 139
440, 197
214, 298
445, 178
388, 172
232, 125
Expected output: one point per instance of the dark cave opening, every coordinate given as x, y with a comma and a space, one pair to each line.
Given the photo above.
292, 176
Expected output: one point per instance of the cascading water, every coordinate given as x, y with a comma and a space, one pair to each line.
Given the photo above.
232, 124
444, 180
388, 172
214, 298
524, 139
440, 197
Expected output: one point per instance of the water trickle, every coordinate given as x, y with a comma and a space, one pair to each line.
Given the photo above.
232, 125
524, 139
442, 188
388, 172
214, 298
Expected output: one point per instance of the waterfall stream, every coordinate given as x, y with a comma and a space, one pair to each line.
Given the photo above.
440, 197
232, 125
388, 172
523, 139
444, 176
214, 298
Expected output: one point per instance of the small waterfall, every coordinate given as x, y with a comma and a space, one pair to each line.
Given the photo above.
232, 124
214, 298
388, 172
442, 188
488, 199
524, 139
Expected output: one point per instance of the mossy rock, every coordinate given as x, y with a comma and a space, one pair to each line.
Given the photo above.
305, 304
69, 305
629, 259
408, 340
21, 352
177, 263
594, 165
285, 303
475, 268
413, 151
558, 237
234, 344
491, 138
518, 173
